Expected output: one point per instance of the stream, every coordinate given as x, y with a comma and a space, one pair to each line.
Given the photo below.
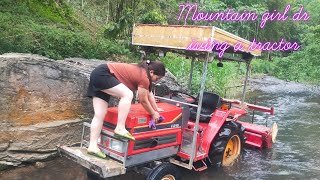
295, 155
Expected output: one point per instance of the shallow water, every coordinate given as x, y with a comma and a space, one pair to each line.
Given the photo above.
295, 155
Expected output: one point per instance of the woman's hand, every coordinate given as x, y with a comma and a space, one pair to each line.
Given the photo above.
156, 116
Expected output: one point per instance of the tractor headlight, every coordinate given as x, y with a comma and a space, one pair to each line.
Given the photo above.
116, 145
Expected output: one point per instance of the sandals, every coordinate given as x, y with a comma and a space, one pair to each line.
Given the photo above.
98, 154
124, 136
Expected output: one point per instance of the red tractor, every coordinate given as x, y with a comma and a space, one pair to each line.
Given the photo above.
195, 132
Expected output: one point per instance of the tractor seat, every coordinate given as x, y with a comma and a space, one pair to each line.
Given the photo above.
210, 102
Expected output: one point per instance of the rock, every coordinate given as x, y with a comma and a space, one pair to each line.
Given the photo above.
36, 89
40, 165
169, 82
43, 104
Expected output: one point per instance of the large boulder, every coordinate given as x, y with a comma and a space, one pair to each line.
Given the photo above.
43, 104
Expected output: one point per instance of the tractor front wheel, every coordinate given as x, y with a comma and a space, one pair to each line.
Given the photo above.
164, 171
227, 145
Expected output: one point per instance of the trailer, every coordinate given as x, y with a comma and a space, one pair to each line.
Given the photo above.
195, 133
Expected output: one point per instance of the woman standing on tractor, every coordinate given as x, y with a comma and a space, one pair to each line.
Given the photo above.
120, 79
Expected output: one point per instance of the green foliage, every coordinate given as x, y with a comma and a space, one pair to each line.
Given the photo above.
50, 11
47, 28
313, 9
303, 65
102, 28
114, 30
218, 80
153, 17
262, 66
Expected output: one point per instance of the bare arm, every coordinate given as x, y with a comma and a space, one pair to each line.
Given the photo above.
152, 101
147, 104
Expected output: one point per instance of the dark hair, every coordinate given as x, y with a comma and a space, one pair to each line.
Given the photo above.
156, 66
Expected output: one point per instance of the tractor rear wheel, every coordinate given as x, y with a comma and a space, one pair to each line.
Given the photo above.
227, 145
164, 171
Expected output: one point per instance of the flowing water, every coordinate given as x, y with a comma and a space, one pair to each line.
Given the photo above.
295, 155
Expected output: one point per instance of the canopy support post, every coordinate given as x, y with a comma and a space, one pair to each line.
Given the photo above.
196, 128
245, 84
190, 76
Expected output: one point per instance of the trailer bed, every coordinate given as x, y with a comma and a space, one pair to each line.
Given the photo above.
105, 168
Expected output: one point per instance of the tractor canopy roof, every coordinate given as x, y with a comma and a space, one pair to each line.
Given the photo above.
193, 41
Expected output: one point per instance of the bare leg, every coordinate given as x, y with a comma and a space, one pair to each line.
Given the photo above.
126, 96
100, 109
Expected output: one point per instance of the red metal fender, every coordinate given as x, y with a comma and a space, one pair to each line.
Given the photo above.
210, 130
216, 122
